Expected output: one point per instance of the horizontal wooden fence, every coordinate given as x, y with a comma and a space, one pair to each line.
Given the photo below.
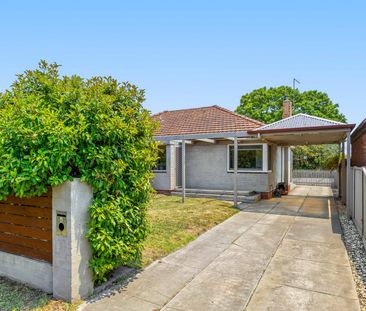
357, 194
316, 178
26, 226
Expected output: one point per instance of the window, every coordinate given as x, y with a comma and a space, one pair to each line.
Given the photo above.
161, 162
249, 157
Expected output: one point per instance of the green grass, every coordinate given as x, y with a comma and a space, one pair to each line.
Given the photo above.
171, 226
174, 224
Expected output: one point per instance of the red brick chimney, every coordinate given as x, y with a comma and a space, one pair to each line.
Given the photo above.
286, 108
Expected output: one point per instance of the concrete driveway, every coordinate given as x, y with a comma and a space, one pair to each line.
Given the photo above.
279, 254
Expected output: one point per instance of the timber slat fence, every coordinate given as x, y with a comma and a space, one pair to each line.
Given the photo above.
26, 226
316, 178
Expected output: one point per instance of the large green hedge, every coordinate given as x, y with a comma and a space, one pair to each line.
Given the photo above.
54, 128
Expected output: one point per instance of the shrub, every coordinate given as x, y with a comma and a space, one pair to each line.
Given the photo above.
54, 128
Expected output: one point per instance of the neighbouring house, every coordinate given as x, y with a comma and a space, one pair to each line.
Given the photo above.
214, 151
358, 139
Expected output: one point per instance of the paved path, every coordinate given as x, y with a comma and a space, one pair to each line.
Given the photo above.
279, 254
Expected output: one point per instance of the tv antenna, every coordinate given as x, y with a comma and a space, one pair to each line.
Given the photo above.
294, 81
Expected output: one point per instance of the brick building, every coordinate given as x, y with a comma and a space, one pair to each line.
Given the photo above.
358, 139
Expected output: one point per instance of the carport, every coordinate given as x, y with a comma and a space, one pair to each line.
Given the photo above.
303, 129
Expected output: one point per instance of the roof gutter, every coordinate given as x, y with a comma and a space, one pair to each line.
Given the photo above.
203, 136
303, 129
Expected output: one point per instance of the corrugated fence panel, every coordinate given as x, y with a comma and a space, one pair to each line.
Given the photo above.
26, 226
315, 178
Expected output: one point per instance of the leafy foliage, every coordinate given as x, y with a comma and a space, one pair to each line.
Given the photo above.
265, 104
54, 128
316, 157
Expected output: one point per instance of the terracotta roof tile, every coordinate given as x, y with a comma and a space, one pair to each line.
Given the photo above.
213, 119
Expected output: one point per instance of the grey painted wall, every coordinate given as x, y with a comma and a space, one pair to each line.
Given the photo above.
166, 180
206, 166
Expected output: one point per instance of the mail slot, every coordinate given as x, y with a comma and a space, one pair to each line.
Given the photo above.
61, 223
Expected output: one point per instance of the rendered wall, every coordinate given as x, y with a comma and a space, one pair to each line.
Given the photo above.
166, 180
36, 273
206, 166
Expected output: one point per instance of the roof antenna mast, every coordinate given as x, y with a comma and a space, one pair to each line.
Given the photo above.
294, 81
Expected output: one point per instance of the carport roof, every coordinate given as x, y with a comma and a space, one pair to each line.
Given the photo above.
304, 129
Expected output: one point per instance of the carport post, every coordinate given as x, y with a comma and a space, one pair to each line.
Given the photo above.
183, 171
235, 171
343, 179
340, 171
348, 194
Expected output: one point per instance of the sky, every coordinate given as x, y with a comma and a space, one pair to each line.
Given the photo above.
195, 53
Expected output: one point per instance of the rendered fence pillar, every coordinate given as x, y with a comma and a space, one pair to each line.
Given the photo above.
236, 171
72, 277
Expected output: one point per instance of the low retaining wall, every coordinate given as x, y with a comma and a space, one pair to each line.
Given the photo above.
36, 273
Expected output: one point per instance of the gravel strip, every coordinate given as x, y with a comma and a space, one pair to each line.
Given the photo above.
356, 253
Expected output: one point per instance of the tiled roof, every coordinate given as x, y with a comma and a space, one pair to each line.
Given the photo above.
205, 120
297, 121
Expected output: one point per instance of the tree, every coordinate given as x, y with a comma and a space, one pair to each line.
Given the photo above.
55, 128
265, 104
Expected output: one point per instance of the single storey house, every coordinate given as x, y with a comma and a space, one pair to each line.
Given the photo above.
214, 151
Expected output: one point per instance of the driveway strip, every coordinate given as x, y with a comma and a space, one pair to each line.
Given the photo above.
279, 254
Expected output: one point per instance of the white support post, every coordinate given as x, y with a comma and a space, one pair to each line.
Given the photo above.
183, 171
235, 172
265, 157
340, 171
349, 183
343, 170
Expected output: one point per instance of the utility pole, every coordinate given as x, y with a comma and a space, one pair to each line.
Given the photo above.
294, 81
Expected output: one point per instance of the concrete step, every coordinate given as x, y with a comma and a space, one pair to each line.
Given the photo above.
225, 197
215, 191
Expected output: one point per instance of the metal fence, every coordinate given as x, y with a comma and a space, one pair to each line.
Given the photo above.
316, 178
357, 194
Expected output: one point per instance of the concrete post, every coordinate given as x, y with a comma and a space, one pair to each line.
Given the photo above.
72, 277
348, 194
235, 171
183, 171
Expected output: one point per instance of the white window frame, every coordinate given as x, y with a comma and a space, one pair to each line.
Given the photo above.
264, 159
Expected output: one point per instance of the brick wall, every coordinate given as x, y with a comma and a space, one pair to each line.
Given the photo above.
359, 151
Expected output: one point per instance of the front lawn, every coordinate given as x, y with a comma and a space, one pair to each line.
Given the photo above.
171, 226
174, 224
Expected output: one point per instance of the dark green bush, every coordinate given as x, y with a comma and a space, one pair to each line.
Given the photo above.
54, 128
